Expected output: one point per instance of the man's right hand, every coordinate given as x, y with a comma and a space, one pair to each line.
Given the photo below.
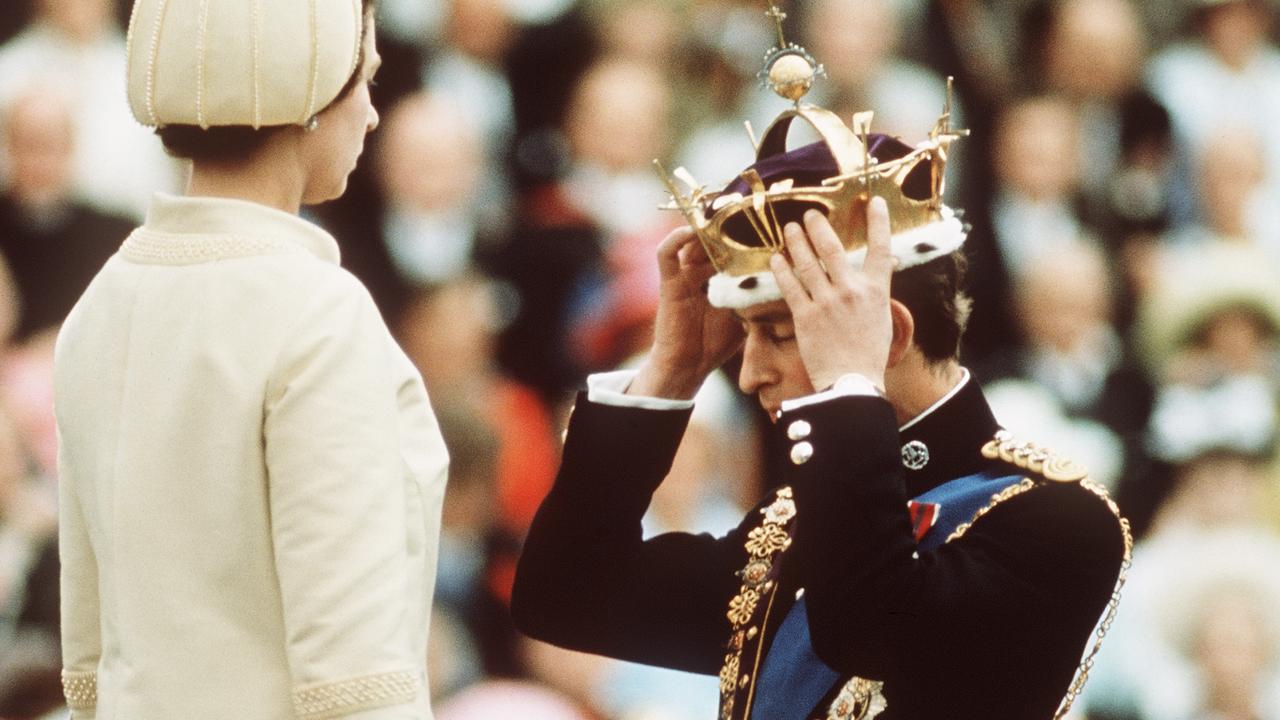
690, 337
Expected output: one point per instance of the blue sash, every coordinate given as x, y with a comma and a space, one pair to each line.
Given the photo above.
794, 680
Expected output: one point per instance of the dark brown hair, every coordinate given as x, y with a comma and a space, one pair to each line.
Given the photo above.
236, 143
934, 294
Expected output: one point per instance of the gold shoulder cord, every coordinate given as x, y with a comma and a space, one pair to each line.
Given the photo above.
1055, 468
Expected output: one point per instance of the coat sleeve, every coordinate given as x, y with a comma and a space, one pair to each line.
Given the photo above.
338, 513
81, 631
588, 581
1042, 564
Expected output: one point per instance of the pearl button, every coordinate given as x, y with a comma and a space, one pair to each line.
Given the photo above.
801, 452
799, 430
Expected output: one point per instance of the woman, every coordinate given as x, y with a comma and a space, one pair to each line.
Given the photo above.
251, 474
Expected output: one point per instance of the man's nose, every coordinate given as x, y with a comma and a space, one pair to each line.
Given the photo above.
754, 373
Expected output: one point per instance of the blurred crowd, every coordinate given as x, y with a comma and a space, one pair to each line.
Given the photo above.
1122, 181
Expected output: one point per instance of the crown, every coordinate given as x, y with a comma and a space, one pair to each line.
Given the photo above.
740, 226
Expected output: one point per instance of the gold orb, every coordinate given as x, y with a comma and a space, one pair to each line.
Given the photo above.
791, 76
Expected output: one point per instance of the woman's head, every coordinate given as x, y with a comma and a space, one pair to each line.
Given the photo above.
220, 82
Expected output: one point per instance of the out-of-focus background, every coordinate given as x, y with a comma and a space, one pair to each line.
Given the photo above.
1122, 182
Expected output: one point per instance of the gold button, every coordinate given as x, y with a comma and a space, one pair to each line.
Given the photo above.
752, 632
799, 430
742, 681
801, 452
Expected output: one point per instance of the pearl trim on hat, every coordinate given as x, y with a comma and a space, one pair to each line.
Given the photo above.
256, 41
201, 61
151, 63
315, 66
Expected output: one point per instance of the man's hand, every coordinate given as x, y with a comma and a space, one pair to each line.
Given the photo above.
841, 314
691, 338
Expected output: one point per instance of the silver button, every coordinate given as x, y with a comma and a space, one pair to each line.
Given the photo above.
799, 430
801, 452
915, 455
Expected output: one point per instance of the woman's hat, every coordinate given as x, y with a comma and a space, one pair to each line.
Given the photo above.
240, 62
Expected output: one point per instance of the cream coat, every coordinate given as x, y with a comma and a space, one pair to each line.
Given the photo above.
251, 481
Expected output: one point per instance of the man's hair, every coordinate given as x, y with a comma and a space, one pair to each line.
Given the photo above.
236, 143
934, 294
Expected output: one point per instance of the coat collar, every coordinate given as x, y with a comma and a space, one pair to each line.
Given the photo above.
945, 442
182, 226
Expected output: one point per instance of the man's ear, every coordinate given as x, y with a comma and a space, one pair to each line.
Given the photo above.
904, 332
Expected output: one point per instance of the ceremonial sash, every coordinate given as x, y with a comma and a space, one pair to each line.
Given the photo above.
793, 679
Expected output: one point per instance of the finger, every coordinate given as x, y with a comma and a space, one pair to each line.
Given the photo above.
793, 291
669, 250
880, 261
692, 255
827, 244
804, 263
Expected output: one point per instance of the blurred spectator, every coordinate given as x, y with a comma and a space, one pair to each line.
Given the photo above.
856, 41
476, 37
430, 165
617, 123
1092, 53
1073, 380
1226, 76
1034, 209
1197, 636
642, 31
74, 46
29, 647
53, 243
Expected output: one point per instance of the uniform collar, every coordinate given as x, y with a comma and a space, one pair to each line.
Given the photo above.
185, 215
945, 442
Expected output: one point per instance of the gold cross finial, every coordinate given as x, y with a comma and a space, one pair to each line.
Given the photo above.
778, 16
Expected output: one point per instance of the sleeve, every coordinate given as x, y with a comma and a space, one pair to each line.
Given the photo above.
338, 514
611, 389
587, 580
81, 632
1035, 572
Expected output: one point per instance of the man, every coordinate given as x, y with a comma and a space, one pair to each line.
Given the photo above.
913, 563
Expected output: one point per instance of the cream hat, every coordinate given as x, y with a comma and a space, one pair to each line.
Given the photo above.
239, 62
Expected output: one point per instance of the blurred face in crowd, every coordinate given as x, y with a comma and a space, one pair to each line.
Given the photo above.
479, 28
645, 31
330, 152
618, 117
429, 156
1236, 30
40, 142
852, 38
1095, 49
1219, 490
1035, 152
82, 20
1232, 168
1238, 341
1064, 300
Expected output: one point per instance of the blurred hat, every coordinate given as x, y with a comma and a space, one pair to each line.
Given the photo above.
1199, 284
239, 62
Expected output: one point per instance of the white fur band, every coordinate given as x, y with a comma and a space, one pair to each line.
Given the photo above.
912, 248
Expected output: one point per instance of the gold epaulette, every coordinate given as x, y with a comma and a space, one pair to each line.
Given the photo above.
1033, 458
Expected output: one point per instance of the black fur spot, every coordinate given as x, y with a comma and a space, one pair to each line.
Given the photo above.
924, 248
749, 283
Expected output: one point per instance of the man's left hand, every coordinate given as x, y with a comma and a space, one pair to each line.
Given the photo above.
842, 318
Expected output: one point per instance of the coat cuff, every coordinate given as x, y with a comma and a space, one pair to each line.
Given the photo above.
321, 701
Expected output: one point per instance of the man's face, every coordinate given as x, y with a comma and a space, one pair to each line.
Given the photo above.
772, 368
